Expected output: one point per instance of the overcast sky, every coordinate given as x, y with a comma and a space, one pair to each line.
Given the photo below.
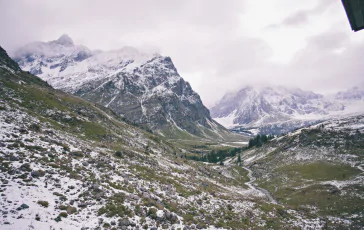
217, 46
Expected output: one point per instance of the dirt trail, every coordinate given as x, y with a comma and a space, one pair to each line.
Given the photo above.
261, 190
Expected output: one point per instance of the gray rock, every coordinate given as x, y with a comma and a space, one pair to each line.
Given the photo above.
37, 173
146, 195
24, 206
124, 222
82, 205
50, 172
98, 196
173, 218
25, 167
95, 187
13, 158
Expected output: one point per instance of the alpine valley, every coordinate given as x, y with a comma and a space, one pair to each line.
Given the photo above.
118, 140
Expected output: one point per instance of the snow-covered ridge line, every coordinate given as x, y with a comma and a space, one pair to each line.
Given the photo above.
143, 87
278, 109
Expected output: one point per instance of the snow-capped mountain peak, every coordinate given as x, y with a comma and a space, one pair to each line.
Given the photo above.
143, 87
278, 109
64, 40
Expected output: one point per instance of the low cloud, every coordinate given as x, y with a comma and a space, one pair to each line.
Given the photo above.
302, 17
298, 18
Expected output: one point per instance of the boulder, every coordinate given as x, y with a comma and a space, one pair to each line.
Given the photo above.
25, 167
37, 173
13, 158
124, 222
173, 218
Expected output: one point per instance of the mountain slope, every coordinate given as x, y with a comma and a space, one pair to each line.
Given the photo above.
319, 170
144, 88
275, 110
69, 164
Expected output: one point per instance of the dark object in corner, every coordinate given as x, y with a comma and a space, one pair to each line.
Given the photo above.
355, 12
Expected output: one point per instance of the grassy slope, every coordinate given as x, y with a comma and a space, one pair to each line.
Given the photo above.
314, 171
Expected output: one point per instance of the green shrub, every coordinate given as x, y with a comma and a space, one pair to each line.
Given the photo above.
62, 207
152, 213
61, 196
35, 127
118, 154
111, 210
43, 203
63, 214
71, 210
77, 154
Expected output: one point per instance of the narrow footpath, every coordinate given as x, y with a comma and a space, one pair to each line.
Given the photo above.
253, 187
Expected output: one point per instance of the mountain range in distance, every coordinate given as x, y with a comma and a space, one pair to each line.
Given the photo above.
277, 110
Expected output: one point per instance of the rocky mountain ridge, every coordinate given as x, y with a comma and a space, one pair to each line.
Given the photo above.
276, 110
144, 88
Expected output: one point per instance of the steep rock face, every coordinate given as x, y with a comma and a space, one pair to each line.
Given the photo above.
6, 62
273, 110
151, 94
144, 88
